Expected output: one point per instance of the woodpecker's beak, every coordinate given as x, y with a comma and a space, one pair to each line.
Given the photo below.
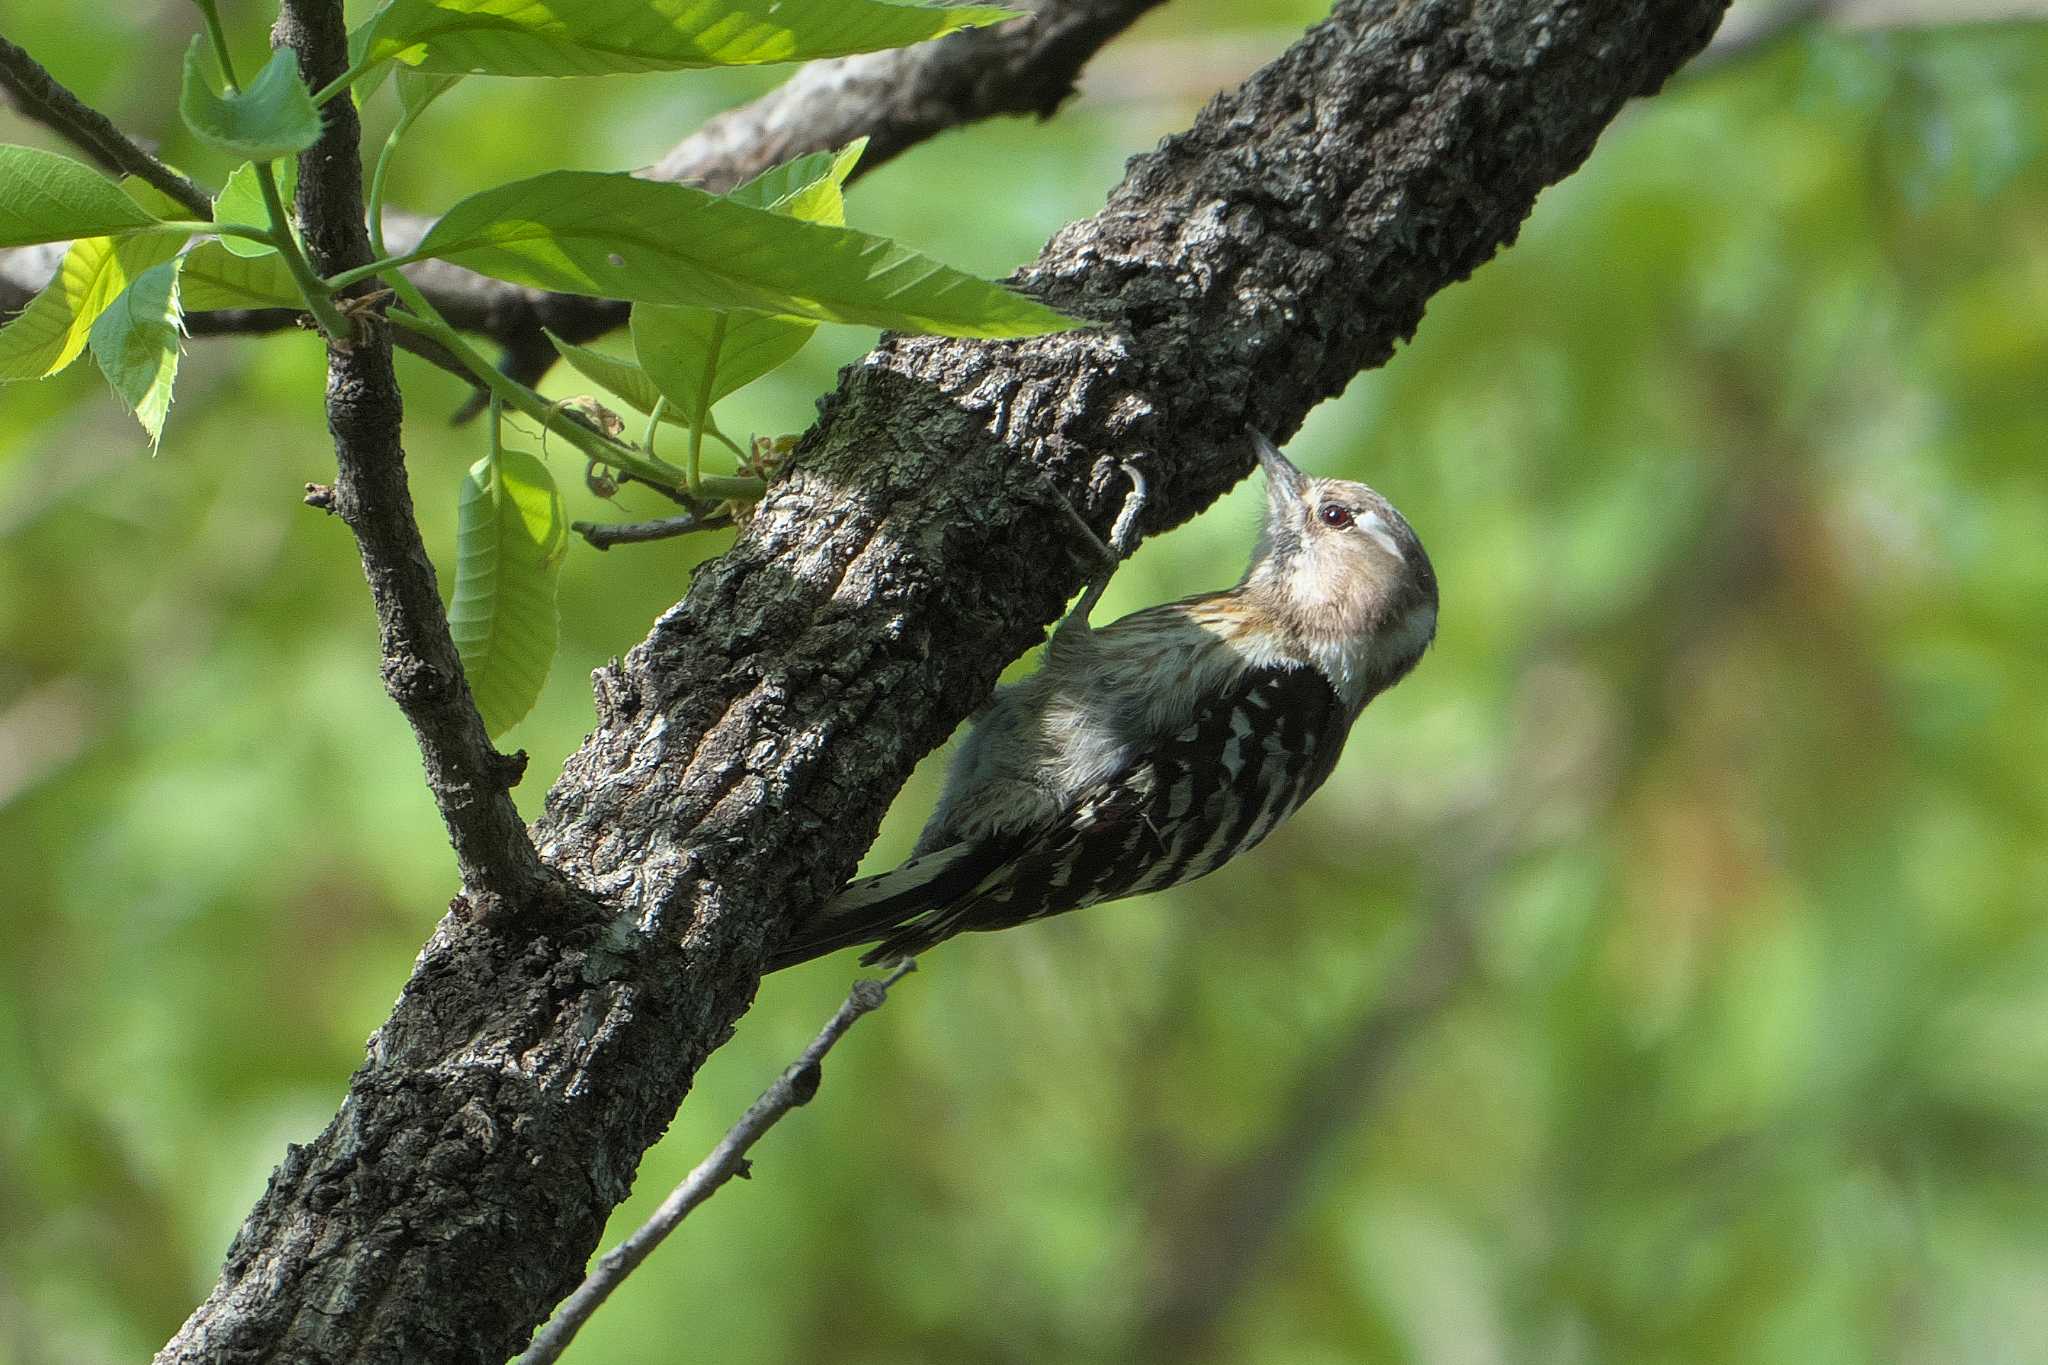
1282, 478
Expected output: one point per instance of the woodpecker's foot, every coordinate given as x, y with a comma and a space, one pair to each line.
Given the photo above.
1123, 537
1123, 534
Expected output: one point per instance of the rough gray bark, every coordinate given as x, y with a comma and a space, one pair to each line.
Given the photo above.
743, 751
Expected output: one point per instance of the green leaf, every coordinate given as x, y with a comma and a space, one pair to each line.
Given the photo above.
417, 89
615, 236
675, 343
272, 117
692, 356
215, 277
596, 37
678, 347
51, 332
136, 343
241, 201
807, 187
617, 375
367, 85
45, 197
511, 535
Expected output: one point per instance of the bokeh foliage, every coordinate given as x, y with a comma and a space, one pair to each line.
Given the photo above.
1662, 978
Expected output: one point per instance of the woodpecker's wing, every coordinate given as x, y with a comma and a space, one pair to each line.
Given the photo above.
1181, 810
869, 908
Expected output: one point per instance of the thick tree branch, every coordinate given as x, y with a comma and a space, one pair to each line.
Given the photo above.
470, 779
897, 99
743, 752
38, 95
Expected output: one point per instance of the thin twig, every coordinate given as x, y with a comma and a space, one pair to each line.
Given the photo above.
39, 96
794, 1087
469, 778
603, 535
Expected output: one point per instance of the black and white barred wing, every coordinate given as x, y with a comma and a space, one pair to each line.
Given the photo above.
1198, 799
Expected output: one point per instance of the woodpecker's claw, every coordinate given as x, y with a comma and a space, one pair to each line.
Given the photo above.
1123, 534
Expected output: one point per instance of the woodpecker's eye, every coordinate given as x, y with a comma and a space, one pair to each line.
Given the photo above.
1334, 515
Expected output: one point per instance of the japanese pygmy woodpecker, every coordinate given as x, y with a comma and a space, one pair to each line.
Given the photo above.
1154, 750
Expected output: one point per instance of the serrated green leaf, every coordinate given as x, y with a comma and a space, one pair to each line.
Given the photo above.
214, 277
615, 236
51, 332
511, 535
596, 37
678, 347
241, 201
807, 187
45, 197
136, 342
272, 116
618, 375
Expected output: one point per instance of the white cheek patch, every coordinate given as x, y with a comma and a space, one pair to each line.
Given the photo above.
1374, 525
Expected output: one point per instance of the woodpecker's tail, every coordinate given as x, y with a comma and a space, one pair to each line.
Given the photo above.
872, 907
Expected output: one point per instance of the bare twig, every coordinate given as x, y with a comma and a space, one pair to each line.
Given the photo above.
604, 535
898, 98
793, 1088
469, 778
38, 95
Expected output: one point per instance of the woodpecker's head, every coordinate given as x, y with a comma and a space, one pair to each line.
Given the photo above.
1347, 575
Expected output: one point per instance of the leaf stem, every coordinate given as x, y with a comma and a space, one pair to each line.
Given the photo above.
199, 227
653, 423
640, 464
398, 130
342, 82
319, 297
376, 267
703, 412
216, 35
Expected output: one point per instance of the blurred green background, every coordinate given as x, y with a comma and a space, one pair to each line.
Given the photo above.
1662, 978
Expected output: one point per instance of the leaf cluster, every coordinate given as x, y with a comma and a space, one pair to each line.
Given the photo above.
725, 287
